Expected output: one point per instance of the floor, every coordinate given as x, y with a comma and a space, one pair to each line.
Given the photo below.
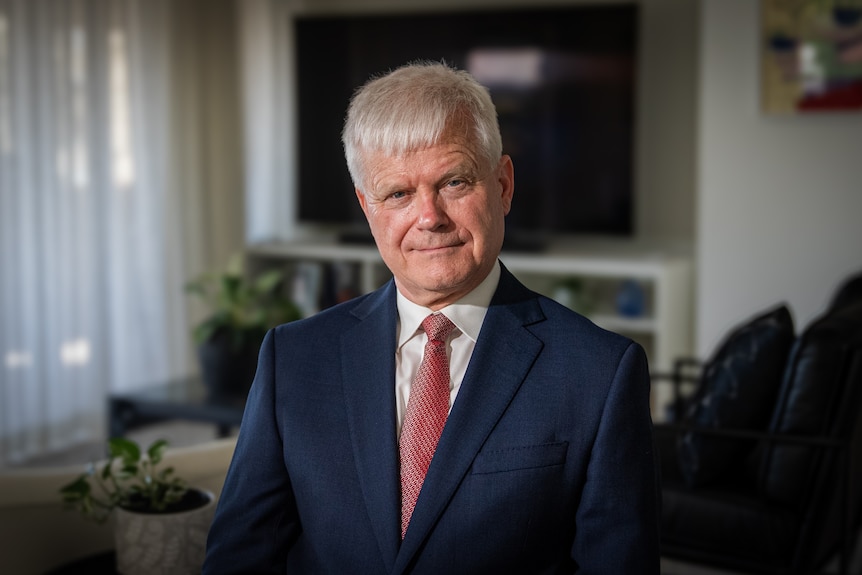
180, 434
672, 567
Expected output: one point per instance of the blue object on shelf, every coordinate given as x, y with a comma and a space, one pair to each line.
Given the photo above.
631, 299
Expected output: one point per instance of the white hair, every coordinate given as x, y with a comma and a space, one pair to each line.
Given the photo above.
414, 107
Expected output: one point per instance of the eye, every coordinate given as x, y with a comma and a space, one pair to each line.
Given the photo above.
397, 198
456, 184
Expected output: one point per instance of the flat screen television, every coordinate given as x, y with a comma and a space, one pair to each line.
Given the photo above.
563, 80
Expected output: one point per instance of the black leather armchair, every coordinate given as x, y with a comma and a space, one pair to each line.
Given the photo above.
762, 471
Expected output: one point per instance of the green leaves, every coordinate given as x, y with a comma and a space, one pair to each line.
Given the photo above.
268, 281
156, 451
242, 307
78, 489
125, 449
128, 479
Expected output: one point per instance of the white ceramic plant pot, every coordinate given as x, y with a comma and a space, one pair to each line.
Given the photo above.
162, 543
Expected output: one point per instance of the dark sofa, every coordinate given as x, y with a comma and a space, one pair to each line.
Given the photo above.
762, 470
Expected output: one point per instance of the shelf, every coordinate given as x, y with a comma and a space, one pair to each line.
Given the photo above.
620, 263
616, 266
325, 250
628, 325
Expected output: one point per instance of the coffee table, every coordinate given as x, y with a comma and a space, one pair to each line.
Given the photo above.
183, 399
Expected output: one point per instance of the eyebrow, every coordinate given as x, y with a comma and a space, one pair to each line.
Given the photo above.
462, 170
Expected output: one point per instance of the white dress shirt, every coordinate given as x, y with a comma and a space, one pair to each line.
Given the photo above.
467, 314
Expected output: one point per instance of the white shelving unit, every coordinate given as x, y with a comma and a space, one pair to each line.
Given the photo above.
664, 328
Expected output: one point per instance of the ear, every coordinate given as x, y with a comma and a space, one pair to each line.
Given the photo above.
363, 202
506, 179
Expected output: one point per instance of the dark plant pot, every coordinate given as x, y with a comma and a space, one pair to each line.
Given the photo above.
782, 43
227, 370
846, 16
192, 499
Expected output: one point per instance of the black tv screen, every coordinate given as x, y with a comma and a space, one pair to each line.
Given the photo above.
563, 80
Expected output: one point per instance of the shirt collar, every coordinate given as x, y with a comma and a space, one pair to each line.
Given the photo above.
467, 313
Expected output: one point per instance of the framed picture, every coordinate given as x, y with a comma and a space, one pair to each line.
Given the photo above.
811, 56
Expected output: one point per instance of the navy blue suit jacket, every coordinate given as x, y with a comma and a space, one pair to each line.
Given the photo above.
545, 465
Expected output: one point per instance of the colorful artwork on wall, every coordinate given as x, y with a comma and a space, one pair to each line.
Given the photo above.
811, 56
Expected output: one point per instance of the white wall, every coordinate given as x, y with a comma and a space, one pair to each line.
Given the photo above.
779, 198
666, 111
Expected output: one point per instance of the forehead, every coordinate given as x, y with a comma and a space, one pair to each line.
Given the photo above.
417, 166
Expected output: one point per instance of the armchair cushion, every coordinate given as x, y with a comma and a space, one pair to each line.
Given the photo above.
848, 293
811, 389
722, 519
737, 389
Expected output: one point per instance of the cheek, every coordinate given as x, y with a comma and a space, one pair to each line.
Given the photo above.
487, 221
387, 226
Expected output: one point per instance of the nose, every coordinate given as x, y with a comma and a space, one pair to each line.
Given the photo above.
431, 211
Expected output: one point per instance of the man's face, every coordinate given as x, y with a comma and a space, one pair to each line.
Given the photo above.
437, 215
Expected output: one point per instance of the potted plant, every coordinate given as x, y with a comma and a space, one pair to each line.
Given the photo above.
241, 310
160, 522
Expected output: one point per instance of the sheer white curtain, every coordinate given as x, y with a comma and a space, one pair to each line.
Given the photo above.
106, 206
269, 112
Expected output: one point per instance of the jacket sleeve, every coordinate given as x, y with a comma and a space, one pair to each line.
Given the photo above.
618, 519
256, 518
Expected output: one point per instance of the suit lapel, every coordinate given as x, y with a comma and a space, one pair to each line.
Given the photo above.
501, 360
368, 352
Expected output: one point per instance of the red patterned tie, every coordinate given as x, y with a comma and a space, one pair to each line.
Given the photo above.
427, 410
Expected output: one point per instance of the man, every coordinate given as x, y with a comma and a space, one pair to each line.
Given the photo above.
544, 463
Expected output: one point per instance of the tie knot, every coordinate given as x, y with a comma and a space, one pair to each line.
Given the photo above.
437, 326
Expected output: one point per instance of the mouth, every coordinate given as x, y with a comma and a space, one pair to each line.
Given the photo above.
439, 249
